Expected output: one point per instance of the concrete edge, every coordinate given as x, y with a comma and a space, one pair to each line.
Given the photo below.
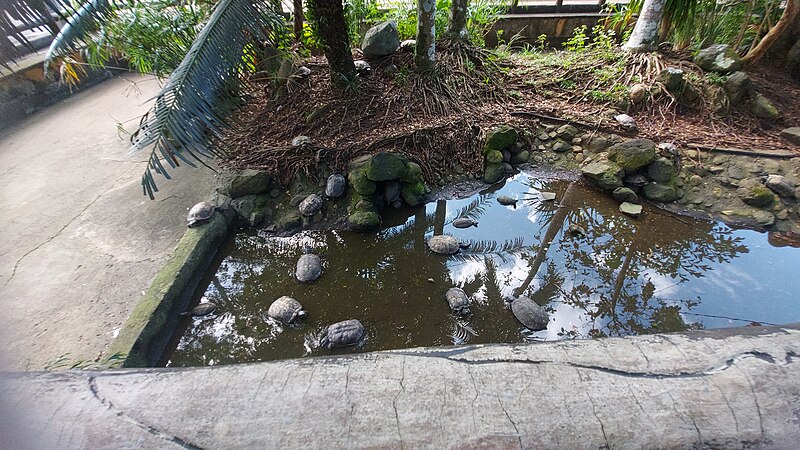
147, 331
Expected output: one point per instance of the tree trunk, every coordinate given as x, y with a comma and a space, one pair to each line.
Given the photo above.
328, 18
789, 14
426, 35
297, 10
645, 33
458, 20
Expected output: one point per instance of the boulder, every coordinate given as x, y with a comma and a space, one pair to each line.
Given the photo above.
764, 218
792, 135
494, 157
625, 194
718, 101
781, 186
493, 173
561, 147
386, 166
662, 170
361, 184
603, 172
633, 154
567, 132
251, 209
598, 144
737, 85
380, 40
762, 108
718, 58
414, 174
756, 194
364, 220
661, 192
672, 79
247, 182
413, 194
690, 96
501, 138
521, 157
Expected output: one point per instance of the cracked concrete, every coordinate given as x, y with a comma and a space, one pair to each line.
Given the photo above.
80, 243
729, 389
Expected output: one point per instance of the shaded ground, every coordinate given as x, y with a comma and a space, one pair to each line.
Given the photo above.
80, 243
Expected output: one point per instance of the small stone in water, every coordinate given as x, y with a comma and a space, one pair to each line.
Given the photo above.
630, 209
548, 196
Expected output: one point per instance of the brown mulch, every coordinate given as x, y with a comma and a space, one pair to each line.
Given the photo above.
448, 112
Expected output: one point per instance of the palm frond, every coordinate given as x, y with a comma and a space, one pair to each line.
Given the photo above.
187, 110
475, 209
18, 16
81, 24
479, 250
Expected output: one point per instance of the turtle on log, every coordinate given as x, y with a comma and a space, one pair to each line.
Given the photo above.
286, 310
343, 334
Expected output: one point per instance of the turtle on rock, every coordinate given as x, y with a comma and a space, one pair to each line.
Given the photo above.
286, 310
531, 315
507, 201
343, 334
444, 245
202, 309
309, 267
465, 222
200, 213
457, 300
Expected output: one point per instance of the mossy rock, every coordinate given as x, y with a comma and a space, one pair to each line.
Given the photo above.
757, 195
494, 157
364, 220
662, 170
500, 138
386, 166
290, 220
247, 182
633, 154
251, 209
662, 192
521, 157
413, 193
604, 173
360, 183
763, 108
414, 174
493, 173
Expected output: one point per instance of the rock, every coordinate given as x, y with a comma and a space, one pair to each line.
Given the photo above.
598, 144
561, 147
506, 156
493, 173
690, 96
753, 193
762, 108
413, 193
391, 191
364, 220
638, 93
521, 157
335, 186
672, 79
661, 192
633, 154
625, 194
501, 138
544, 137
414, 174
250, 208
764, 218
630, 209
386, 166
738, 171
290, 220
494, 157
792, 135
408, 45
626, 121
508, 169
737, 85
662, 170
311, 205
380, 40
362, 67
567, 132
361, 184
718, 101
606, 174
718, 58
247, 182
781, 186
695, 180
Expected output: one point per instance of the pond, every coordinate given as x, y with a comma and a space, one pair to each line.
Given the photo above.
624, 276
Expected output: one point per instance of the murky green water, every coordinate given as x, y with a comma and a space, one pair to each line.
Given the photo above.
658, 273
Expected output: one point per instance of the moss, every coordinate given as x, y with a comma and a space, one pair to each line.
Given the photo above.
413, 194
494, 157
493, 173
364, 220
414, 174
500, 138
360, 183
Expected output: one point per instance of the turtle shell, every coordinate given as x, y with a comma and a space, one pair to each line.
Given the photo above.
343, 334
506, 200
200, 213
203, 309
444, 245
286, 310
335, 186
465, 222
311, 205
457, 300
530, 314
309, 268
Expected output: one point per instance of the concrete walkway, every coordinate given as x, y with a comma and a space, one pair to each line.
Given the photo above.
721, 389
79, 241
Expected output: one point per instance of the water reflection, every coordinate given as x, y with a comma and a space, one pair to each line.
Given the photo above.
615, 276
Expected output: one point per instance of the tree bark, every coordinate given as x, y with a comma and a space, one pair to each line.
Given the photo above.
646, 32
426, 35
297, 11
789, 14
457, 29
328, 19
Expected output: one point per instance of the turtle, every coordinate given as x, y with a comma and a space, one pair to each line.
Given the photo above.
202, 309
636, 179
576, 230
286, 310
531, 315
507, 201
626, 121
444, 245
391, 191
334, 188
200, 213
309, 267
310, 205
362, 67
465, 222
343, 334
457, 300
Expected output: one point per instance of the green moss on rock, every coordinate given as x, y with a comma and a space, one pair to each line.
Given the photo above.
386, 166
414, 174
364, 220
360, 183
413, 193
604, 173
493, 173
633, 154
500, 138
521, 157
494, 157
